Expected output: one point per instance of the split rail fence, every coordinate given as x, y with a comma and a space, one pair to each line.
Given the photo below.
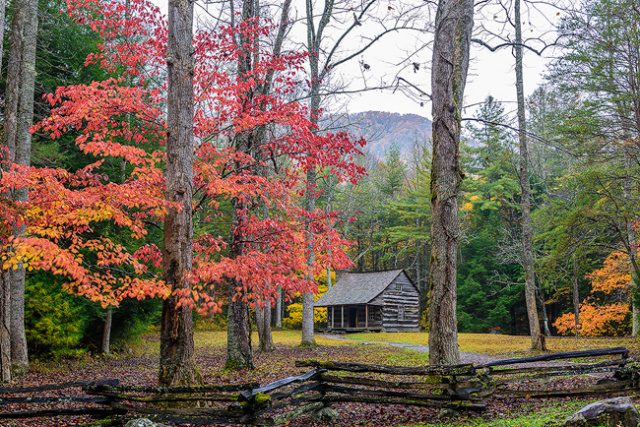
465, 387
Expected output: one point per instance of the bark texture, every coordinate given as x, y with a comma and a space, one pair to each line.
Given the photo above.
3, 10
314, 37
12, 90
576, 296
177, 363
19, 354
106, 332
537, 340
454, 22
308, 336
5, 327
239, 351
263, 323
278, 321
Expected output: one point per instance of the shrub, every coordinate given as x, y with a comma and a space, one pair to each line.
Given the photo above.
597, 320
54, 322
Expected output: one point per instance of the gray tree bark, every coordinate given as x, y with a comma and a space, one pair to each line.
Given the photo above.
12, 90
454, 22
545, 316
239, 351
106, 332
314, 37
19, 354
5, 326
308, 336
576, 297
279, 308
177, 362
537, 339
263, 323
8, 154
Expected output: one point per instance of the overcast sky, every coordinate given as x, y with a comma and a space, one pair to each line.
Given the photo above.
490, 73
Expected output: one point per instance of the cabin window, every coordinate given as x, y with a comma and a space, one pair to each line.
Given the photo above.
399, 287
372, 315
401, 312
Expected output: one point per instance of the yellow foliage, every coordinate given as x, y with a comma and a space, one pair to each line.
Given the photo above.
294, 319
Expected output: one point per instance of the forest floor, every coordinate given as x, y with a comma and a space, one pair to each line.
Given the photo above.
138, 365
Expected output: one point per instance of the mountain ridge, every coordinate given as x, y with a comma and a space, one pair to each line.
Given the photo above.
381, 129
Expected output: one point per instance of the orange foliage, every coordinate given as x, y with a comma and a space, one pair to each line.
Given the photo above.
603, 319
597, 321
615, 274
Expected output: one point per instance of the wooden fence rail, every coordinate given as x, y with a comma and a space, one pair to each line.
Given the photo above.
465, 387
11, 396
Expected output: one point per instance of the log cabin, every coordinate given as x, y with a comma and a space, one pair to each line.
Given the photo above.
385, 301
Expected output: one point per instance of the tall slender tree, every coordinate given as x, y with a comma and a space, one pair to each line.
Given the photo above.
454, 23
537, 339
19, 353
177, 363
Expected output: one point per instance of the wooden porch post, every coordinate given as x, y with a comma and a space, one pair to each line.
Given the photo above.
342, 307
366, 316
333, 317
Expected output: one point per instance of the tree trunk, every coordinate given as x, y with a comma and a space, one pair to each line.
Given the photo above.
576, 297
5, 327
3, 10
314, 37
12, 90
537, 340
631, 245
279, 308
308, 338
239, 352
106, 332
545, 316
263, 323
19, 354
8, 154
177, 362
260, 325
454, 22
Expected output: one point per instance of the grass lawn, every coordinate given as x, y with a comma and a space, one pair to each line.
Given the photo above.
531, 414
504, 345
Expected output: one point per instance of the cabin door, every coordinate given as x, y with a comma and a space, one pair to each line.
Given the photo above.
353, 316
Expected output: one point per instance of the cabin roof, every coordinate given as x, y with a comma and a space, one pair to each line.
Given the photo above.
357, 288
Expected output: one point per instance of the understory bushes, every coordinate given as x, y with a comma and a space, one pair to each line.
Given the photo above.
60, 325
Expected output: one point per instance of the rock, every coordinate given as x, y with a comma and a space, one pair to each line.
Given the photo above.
143, 422
447, 413
616, 412
324, 415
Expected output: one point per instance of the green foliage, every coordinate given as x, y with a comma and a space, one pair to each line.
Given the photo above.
531, 415
489, 293
61, 325
54, 320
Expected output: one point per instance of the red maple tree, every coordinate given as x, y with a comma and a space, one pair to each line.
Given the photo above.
123, 117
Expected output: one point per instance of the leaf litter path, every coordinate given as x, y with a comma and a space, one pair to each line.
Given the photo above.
474, 358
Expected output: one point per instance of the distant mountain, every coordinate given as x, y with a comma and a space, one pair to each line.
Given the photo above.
381, 129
